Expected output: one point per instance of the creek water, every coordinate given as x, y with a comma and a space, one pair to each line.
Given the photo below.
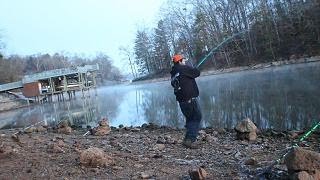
281, 98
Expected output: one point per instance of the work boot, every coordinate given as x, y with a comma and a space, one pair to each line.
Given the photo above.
188, 143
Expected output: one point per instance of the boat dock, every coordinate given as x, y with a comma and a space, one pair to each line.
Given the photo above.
43, 86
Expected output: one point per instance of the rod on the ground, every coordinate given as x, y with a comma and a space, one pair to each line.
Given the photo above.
305, 135
86, 133
309, 132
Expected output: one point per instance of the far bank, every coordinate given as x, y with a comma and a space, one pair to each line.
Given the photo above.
207, 72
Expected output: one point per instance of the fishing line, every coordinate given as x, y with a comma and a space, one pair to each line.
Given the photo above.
219, 45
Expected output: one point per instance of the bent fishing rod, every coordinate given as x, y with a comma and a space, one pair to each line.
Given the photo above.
305, 135
219, 46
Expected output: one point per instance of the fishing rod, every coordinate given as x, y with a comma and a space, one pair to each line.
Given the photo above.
86, 133
305, 135
219, 45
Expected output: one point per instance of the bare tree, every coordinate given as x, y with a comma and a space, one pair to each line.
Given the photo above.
129, 56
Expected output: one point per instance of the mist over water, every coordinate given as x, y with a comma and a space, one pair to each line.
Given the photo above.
280, 98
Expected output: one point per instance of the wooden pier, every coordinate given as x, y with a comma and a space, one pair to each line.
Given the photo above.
43, 86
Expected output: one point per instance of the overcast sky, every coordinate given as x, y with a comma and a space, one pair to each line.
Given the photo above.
84, 27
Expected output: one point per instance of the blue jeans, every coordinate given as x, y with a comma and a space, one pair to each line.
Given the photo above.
192, 113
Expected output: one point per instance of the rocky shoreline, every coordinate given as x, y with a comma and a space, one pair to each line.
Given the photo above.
146, 152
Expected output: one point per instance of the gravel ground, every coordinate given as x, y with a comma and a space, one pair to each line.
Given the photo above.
148, 152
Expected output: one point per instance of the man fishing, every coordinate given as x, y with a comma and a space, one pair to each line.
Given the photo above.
186, 92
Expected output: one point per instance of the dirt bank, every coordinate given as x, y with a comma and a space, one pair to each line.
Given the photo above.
149, 152
8, 102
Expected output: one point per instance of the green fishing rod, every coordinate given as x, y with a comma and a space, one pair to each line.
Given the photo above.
219, 46
305, 135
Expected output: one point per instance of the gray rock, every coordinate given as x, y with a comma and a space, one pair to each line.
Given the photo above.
246, 129
246, 126
198, 174
159, 147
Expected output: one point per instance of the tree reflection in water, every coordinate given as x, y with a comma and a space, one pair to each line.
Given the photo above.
279, 98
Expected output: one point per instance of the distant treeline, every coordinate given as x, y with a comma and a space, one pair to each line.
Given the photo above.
12, 68
277, 30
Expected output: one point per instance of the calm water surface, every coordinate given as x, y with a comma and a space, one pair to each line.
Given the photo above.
281, 98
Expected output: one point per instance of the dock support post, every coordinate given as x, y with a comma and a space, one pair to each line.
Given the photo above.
65, 83
81, 84
51, 88
94, 75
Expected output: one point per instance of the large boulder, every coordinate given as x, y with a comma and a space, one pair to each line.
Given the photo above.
57, 147
104, 122
246, 129
303, 163
30, 130
64, 128
102, 129
6, 151
246, 125
63, 124
198, 174
303, 175
300, 159
95, 157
